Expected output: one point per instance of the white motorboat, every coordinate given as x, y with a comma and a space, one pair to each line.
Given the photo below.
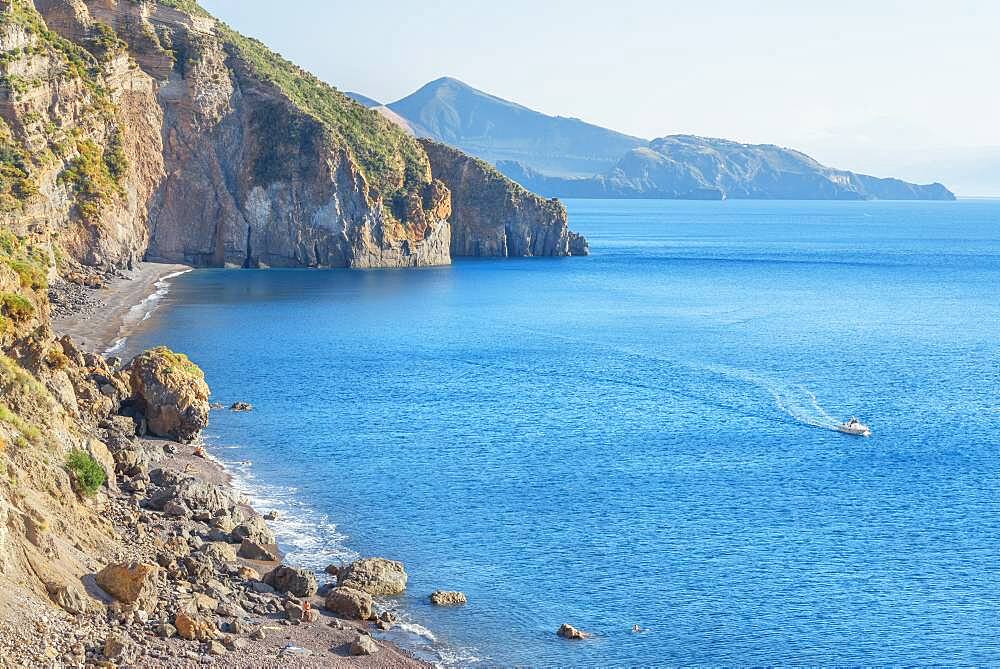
855, 427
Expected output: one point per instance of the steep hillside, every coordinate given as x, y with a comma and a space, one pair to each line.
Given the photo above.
493, 129
688, 167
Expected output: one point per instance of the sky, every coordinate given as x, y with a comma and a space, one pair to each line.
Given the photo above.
907, 89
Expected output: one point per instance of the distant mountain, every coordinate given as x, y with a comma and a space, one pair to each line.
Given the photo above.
363, 99
689, 167
566, 157
454, 113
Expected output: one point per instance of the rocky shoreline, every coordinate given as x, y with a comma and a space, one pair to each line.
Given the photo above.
179, 595
193, 577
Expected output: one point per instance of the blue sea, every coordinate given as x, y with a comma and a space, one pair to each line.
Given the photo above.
642, 436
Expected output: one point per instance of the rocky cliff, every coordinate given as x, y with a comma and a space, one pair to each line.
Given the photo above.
688, 167
496, 217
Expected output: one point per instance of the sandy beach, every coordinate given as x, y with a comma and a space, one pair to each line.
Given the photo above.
97, 317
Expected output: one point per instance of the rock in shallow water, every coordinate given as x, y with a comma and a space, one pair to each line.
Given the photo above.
448, 598
350, 603
569, 632
376, 576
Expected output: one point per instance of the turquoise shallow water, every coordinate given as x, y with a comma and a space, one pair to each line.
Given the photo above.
641, 436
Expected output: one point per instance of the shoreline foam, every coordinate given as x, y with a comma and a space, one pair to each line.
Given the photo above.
315, 542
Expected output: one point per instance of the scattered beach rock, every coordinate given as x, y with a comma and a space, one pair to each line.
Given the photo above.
166, 631
376, 576
349, 603
364, 645
114, 646
70, 598
216, 648
448, 598
299, 582
569, 632
195, 627
253, 528
247, 573
254, 551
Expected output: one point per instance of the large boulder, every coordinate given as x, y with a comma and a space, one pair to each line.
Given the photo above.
349, 603
132, 583
376, 576
254, 528
299, 582
171, 392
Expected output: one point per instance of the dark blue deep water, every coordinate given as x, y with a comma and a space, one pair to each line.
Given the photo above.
642, 436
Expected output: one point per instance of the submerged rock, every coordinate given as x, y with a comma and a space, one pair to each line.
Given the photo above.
171, 392
569, 632
376, 576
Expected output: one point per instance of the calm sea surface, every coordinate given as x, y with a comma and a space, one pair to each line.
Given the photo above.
641, 436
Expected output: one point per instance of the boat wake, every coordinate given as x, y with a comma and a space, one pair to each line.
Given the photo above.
689, 379
794, 400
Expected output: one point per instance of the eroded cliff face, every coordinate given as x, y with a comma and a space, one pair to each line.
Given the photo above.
135, 130
495, 217
79, 135
249, 178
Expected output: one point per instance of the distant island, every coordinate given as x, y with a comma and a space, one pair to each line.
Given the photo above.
556, 156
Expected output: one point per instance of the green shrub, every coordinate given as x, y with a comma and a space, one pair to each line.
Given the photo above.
17, 307
87, 473
28, 432
90, 175
176, 363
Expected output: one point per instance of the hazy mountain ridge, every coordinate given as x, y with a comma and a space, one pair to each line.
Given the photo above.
561, 157
449, 111
689, 167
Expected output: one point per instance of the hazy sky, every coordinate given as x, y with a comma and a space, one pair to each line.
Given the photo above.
906, 89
